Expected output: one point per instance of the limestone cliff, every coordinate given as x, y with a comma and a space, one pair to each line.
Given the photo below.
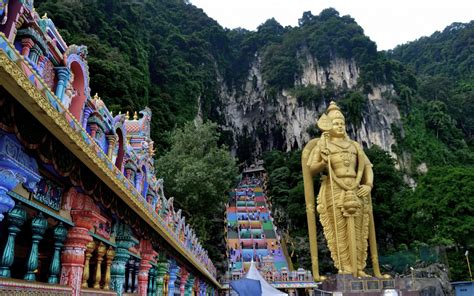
282, 122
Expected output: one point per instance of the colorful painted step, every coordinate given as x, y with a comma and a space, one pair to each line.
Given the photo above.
232, 234
268, 226
257, 236
269, 234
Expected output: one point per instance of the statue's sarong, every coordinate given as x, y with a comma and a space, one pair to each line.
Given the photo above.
328, 215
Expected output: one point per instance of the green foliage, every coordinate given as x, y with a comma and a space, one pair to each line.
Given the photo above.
457, 97
387, 200
313, 131
437, 119
458, 269
459, 105
438, 212
431, 137
438, 127
329, 35
382, 70
441, 207
287, 196
280, 65
157, 53
352, 105
419, 254
311, 95
198, 173
285, 175
325, 36
448, 52
244, 44
421, 144
443, 62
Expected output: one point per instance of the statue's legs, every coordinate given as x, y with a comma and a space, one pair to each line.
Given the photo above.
339, 247
362, 235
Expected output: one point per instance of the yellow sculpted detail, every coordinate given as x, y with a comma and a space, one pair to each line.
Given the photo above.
344, 203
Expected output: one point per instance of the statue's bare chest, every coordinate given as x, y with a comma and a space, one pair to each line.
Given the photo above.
343, 154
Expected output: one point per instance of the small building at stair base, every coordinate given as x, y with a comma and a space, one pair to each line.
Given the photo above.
81, 209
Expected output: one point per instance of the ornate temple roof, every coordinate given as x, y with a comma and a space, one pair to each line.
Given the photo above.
51, 80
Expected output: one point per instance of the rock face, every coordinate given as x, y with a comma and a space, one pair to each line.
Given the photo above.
433, 280
341, 73
283, 123
376, 126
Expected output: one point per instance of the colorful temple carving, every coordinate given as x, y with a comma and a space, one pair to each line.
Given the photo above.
81, 209
253, 236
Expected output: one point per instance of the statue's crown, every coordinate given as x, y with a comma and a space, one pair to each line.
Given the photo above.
334, 111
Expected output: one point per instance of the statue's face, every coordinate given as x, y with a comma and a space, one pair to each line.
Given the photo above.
338, 128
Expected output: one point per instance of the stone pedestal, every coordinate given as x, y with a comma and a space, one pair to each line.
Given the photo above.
349, 285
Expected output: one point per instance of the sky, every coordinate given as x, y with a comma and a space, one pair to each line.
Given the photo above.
388, 23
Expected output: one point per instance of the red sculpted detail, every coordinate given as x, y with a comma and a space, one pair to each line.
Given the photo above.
147, 254
72, 257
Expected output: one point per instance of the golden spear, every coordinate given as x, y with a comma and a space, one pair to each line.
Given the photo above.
325, 125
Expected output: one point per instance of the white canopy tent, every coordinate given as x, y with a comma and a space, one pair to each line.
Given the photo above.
267, 289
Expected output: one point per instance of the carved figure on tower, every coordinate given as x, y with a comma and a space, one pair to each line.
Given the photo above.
344, 202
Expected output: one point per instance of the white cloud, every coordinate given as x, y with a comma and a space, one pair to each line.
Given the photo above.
388, 23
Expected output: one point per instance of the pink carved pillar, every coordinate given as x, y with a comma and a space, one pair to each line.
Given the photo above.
84, 214
196, 286
147, 254
184, 279
27, 45
72, 257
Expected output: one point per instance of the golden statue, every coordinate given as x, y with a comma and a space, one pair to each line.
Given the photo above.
344, 203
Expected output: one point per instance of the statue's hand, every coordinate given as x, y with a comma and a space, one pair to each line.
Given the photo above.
321, 209
364, 190
324, 154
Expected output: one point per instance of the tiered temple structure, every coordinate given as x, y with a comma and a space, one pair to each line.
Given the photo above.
252, 235
81, 209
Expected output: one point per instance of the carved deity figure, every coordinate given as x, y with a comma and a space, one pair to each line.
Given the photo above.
343, 203
158, 205
69, 92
